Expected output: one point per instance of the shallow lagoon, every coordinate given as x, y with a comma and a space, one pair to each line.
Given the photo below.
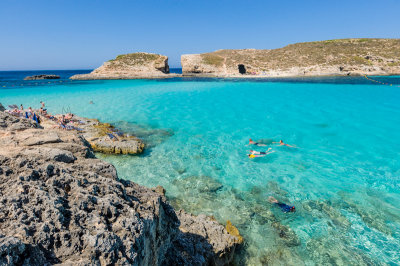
343, 179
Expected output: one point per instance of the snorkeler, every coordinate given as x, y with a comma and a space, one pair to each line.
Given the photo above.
254, 154
281, 143
284, 207
251, 142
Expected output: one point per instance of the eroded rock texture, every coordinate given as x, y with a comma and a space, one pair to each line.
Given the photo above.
60, 205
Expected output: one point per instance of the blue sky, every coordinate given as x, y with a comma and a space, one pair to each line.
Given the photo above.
72, 34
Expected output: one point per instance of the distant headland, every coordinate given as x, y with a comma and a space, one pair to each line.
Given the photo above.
344, 57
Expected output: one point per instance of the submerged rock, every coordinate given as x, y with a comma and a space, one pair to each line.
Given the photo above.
60, 206
151, 136
325, 207
202, 184
372, 219
327, 251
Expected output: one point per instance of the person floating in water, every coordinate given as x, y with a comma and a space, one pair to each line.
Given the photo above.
281, 143
251, 142
254, 154
284, 207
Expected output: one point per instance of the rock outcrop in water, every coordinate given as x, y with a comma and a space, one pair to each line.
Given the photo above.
37, 77
131, 66
333, 57
60, 205
102, 137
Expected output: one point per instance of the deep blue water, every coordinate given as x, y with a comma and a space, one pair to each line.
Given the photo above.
343, 178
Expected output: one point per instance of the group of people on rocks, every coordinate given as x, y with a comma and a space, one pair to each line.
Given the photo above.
38, 116
29, 114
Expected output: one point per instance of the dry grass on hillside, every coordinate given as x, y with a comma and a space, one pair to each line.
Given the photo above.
328, 53
136, 59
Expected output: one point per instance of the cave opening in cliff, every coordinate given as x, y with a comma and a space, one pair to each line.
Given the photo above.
242, 69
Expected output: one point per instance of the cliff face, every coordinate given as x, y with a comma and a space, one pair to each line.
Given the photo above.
60, 205
130, 66
334, 57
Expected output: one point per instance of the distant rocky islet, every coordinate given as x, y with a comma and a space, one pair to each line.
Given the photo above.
39, 77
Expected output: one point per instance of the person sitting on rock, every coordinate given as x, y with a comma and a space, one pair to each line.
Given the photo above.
69, 116
30, 112
284, 207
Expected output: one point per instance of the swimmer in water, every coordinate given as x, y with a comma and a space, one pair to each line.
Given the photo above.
281, 143
251, 142
284, 207
254, 154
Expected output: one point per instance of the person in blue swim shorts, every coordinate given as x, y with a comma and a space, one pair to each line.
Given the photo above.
284, 207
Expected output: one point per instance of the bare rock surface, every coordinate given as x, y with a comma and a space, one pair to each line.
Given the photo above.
202, 241
131, 66
60, 205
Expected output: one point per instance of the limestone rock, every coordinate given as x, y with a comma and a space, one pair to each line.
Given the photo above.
201, 241
61, 206
2, 108
103, 137
14, 252
131, 66
333, 57
12, 123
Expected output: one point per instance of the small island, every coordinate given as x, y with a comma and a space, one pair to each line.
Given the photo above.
38, 77
131, 66
343, 57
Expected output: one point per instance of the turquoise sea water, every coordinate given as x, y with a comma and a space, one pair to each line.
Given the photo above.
343, 179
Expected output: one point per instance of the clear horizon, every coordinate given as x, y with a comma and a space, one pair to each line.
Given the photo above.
65, 35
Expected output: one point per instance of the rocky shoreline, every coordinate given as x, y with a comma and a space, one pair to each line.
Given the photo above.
61, 205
